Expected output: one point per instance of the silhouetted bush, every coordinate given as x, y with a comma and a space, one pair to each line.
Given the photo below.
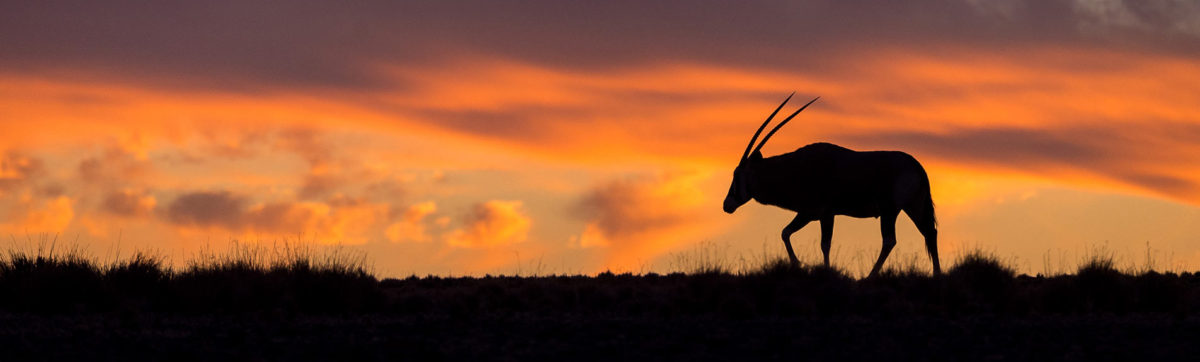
1101, 287
979, 281
245, 281
50, 283
239, 282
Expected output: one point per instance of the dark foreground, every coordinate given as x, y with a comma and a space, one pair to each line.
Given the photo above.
978, 311
598, 338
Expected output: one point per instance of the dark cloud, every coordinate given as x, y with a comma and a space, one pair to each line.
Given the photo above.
208, 208
250, 45
1005, 146
91, 170
328, 172
1163, 183
387, 189
112, 167
52, 189
230, 45
637, 218
279, 216
317, 186
622, 209
1153, 164
231, 211
309, 144
612, 110
127, 203
17, 169
240, 144
515, 123
235, 212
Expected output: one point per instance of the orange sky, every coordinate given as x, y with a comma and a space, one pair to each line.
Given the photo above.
473, 138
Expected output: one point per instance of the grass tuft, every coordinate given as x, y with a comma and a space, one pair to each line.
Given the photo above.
979, 265
1099, 265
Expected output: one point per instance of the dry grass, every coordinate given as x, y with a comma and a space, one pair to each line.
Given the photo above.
46, 277
312, 279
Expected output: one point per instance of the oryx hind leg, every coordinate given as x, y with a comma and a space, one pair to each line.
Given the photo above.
887, 227
922, 216
791, 228
826, 236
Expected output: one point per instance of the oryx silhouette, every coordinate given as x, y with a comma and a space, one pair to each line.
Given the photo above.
821, 180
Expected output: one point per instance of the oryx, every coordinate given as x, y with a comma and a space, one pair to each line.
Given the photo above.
821, 180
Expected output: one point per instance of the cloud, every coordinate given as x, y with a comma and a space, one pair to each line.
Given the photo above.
1102, 151
207, 209
17, 170
309, 144
626, 207
329, 171
114, 167
338, 220
128, 203
45, 216
411, 225
229, 45
894, 68
317, 185
388, 188
637, 219
284, 216
329, 174
492, 223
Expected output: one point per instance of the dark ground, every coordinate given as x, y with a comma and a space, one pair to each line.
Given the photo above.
978, 311
597, 338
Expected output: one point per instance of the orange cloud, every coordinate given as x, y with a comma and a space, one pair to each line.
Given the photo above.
128, 203
492, 223
411, 226
635, 220
338, 220
33, 217
16, 170
697, 113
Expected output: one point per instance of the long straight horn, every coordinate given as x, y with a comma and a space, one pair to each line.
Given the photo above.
785, 121
764, 125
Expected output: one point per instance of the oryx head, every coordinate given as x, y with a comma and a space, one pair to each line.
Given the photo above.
739, 189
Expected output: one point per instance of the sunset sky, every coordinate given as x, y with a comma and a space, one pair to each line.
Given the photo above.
472, 137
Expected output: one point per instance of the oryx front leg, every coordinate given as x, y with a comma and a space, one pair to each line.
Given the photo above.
826, 236
887, 226
791, 228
